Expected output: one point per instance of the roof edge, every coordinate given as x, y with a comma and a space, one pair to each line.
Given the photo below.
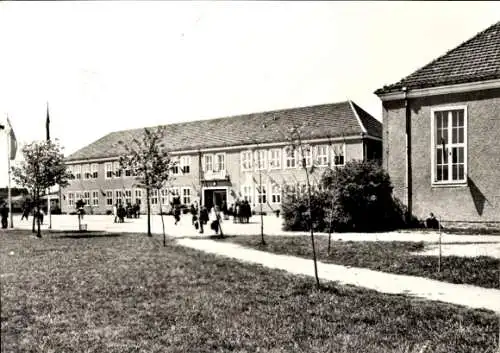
363, 127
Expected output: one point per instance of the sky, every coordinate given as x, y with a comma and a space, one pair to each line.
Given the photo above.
107, 66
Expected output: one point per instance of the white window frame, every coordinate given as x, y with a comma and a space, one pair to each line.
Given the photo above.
95, 198
334, 149
185, 164
108, 168
275, 161
118, 195
86, 198
117, 171
449, 146
286, 158
306, 152
153, 197
109, 196
260, 159
246, 160
94, 170
247, 195
71, 199
138, 196
322, 159
217, 166
128, 195
185, 195
78, 171
86, 171
70, 170
261, 193
205, 167
275, 194
175, 165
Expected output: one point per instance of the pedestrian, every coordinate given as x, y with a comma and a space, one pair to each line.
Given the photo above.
194, 214
26, 210
4, 213
215, 219
203, 218
115, 211
121, 213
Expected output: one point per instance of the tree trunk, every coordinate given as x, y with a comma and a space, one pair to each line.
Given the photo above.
149, 211
32, 208
311, 224
162, 221
330, 227
262, 241
39, 234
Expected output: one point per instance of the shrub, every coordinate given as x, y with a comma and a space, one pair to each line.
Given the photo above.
355, 197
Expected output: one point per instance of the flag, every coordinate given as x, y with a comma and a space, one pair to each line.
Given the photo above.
47, 123
13, 141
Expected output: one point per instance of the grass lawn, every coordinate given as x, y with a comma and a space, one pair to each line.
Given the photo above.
393, 257
127, 293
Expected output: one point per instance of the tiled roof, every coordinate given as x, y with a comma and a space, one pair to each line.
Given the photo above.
327, 120
477, 59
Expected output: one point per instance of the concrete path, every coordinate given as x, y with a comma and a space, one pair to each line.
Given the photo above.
466, 295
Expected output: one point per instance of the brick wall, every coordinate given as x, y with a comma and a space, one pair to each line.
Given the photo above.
479, 199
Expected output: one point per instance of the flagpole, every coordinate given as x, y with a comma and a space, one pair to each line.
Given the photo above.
9, 174
47, 122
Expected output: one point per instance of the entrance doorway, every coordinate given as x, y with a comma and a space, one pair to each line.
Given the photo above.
213, 197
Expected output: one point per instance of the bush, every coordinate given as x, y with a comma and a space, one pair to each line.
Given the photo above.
296, 214
356, 197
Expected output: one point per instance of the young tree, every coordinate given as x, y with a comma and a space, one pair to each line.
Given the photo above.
150, 163
43, 167
296, 144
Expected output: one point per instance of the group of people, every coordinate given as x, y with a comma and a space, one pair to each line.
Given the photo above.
241, 211
129, 211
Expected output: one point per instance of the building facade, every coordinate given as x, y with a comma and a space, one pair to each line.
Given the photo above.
243, 157
441, 131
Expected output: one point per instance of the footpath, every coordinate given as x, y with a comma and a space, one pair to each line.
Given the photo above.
466, 295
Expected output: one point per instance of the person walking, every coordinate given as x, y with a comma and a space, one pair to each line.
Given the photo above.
115, 211
203, 218
26, 210
194, 214
4, 213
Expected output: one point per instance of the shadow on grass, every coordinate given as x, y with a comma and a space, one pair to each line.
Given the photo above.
76, 234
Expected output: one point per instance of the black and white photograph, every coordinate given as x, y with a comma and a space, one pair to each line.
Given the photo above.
250, 176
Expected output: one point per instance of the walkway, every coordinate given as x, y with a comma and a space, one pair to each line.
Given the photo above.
466, 295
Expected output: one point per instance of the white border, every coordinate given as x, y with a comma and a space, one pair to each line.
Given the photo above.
435, 183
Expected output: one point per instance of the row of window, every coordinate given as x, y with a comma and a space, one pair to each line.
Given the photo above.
274, 194
287, 158
111, 197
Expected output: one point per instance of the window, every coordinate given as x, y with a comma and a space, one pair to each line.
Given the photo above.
118, 196
306, 154
95, 198
220, 159
322, 155
128, 196
71, 172
247, 192
86, 171
78, 171
260, 160
338, 154
138, 196
275, 159
276, 194
449, 145
109, 198
261, 194
290, 157
86, 197
185, 164
128, 172
154, 197
208, 165
95, 170
246, 160
164, 196
108, 167
71, 199
175, 165
186, 196
117, 170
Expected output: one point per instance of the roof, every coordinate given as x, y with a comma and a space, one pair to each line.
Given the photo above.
477, 59
321, 121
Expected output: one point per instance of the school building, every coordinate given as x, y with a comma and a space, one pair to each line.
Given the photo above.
225, 159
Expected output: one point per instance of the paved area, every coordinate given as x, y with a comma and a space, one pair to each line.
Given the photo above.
474, 297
